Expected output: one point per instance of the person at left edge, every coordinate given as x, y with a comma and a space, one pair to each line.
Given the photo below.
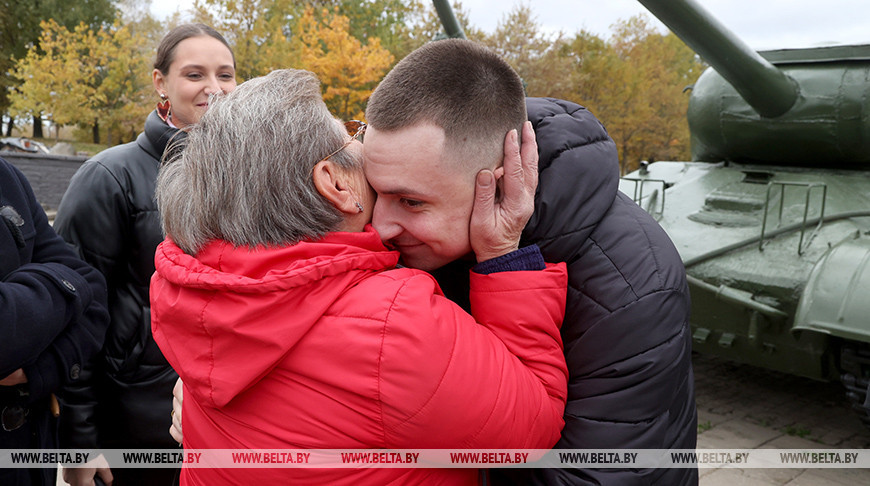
52, 322
109, 215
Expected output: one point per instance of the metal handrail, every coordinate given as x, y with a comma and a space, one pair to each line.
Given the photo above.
638, 195
754, 239
809, 188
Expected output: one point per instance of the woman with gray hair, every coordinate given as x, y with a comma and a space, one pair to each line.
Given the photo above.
291, 326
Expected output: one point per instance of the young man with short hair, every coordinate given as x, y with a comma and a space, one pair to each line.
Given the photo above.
437, 126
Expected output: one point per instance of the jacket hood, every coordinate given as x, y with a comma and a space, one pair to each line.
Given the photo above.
227, 316
579, 173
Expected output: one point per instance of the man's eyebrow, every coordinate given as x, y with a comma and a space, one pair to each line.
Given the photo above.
404, 191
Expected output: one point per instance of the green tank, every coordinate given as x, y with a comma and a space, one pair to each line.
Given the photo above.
452, 29
772, 215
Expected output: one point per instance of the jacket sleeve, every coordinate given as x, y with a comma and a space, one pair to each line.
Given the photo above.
89, 216
53, 309
88, 219
494, 380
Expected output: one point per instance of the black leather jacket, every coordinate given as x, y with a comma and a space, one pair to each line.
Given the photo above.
109, 215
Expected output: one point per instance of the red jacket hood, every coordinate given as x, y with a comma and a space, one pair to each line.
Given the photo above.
226, 317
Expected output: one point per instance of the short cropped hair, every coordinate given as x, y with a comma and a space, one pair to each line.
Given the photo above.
244, 172
460, 86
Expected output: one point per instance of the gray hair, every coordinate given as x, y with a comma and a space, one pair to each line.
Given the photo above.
245, 172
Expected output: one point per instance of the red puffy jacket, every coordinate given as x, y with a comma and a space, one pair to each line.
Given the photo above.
324, 345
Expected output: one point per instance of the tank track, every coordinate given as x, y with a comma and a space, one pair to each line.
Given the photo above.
855, 369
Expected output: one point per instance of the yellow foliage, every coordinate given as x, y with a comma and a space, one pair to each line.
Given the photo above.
85, 77
348, 70
49, 80
634, 84
274, 34
257, 31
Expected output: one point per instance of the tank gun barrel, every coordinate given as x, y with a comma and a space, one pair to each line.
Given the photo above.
448, 19
767, 89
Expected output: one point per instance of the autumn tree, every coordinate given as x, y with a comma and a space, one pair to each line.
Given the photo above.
394, 22
534, 55
426, 26
401, 25
273, 34
123, 92
634, 83
348, 69
136, 16
49, 75
260, 32
85, 76
20, 32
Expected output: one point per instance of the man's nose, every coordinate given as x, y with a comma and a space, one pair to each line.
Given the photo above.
384, 224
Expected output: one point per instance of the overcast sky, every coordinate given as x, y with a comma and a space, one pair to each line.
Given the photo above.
763, 24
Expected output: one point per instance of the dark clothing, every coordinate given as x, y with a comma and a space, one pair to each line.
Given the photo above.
52, 319
40, 432
626, 330
523, 259
123, 476
109, 216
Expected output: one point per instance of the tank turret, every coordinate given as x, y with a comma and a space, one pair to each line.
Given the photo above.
772, 215
794, 107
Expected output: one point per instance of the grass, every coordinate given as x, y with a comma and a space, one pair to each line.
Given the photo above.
705, 426
80, 147
90, 148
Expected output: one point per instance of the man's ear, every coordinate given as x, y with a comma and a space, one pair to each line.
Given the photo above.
331, 181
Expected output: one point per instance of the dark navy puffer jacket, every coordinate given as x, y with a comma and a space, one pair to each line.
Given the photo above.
626, 330
53, 320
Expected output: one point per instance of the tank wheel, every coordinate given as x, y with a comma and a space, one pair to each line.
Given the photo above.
855, 369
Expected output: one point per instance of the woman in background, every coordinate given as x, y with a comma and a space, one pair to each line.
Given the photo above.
285, 316
109, 215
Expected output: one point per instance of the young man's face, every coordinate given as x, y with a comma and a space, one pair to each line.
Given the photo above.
424, 204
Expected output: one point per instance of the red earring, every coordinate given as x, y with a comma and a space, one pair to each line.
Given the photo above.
163, 108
